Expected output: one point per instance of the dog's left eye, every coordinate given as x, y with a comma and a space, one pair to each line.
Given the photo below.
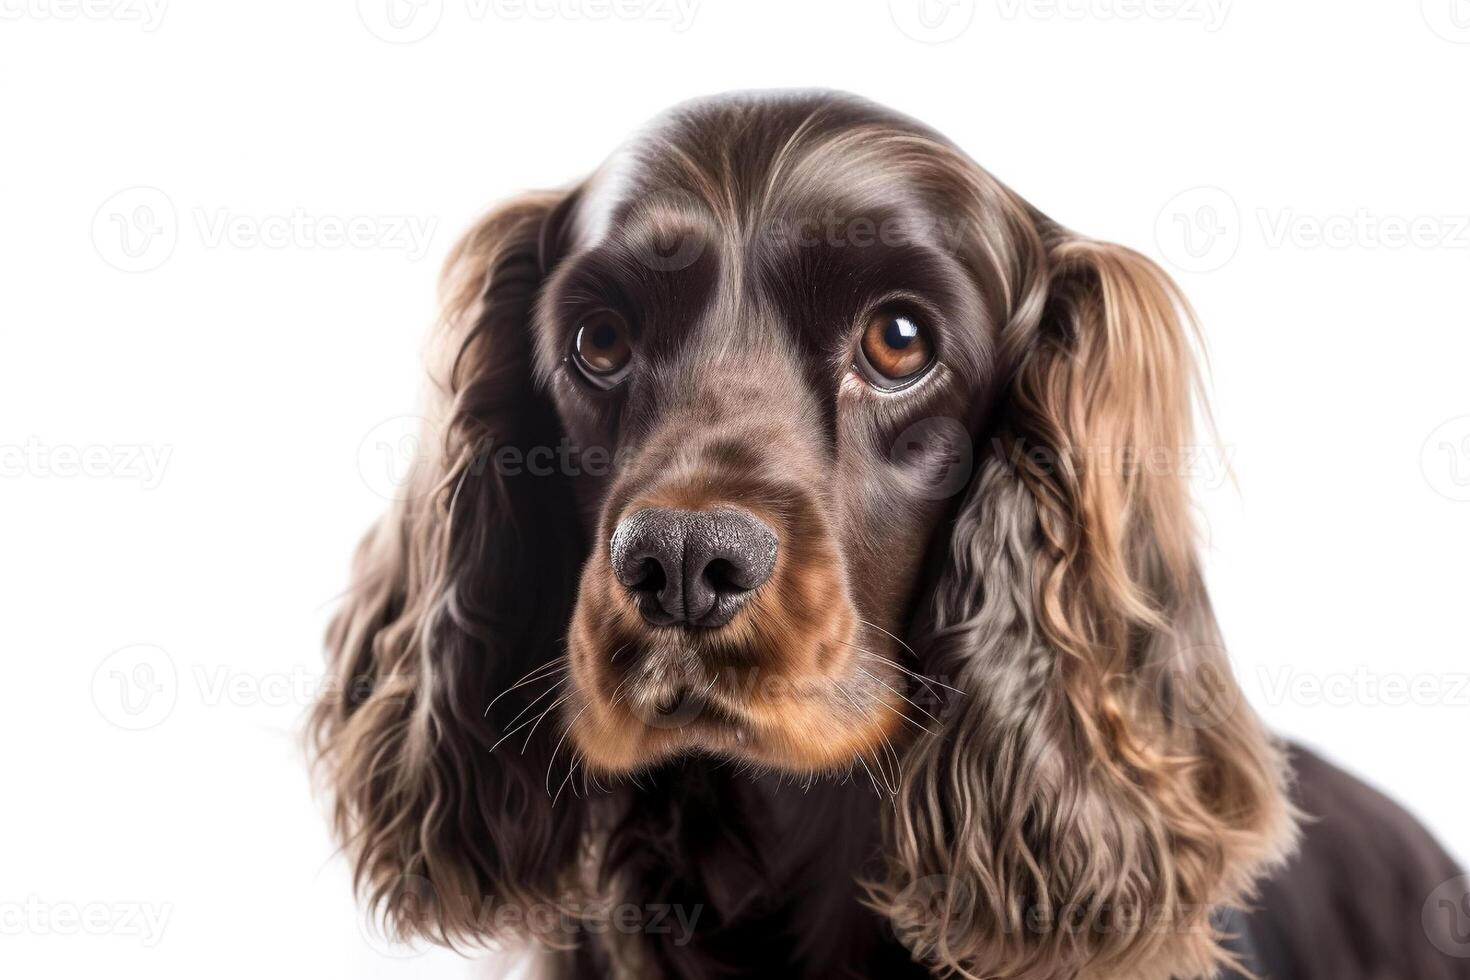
603, 348
895, 350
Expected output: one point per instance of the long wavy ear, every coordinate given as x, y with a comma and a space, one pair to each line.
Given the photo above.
458, 592
1101, 787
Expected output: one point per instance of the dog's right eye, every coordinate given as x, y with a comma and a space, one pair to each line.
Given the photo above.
603, 348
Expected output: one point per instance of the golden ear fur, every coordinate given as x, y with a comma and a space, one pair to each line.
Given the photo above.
1081, 813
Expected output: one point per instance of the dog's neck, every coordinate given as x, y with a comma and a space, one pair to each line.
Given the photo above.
762, 869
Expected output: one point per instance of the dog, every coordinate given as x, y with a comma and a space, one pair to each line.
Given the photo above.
796, 578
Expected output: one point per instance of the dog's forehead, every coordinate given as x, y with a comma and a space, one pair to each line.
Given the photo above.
747, 160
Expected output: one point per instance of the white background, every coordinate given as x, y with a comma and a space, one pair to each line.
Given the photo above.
261, 378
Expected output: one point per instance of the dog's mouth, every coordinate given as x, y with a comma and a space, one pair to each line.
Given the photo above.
669, 697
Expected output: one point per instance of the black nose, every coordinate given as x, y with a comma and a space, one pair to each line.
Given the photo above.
692, 567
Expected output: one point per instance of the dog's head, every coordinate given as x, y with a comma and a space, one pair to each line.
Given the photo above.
786, 419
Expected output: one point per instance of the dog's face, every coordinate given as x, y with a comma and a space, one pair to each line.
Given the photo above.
840, 412
784, 370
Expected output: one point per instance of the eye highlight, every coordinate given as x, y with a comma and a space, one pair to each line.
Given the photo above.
895, 350
603, 348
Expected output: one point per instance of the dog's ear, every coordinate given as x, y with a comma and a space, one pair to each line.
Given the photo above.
457, 593
1101, 785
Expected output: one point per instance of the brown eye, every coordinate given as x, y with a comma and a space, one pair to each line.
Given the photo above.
603, 348
896, 350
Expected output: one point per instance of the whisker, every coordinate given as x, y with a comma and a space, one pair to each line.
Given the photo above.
538, 697
897, 766
511, 731
541, 672
871, 777
567, 731
928, 682
891, 789
552, 707
901, 695
912, 653
563, 782
890, 636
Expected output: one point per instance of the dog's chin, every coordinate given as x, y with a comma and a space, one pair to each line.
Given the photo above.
801, 725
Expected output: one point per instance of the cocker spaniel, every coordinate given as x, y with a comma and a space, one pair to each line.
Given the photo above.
797, 579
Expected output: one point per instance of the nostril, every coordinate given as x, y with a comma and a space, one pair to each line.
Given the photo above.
649, 577
720, 576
